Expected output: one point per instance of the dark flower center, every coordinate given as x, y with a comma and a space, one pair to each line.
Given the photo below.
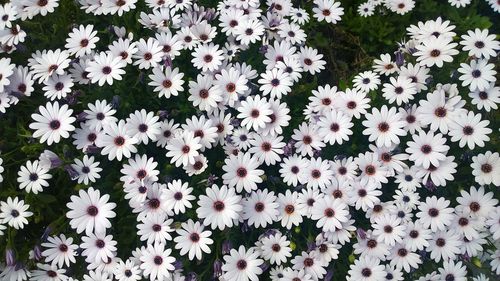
476, 73
366, 272
426, 149
329, 212
100, 243
433, 212
119, 141
383, 127
486, 168
289, 209
219, 206
370, 170
154, 203
468, 130
435, 53
259, 207
413, 234
33, 177
63, 248
241, 264
440, 242
178, 196
158, 260
106, 70
316, 173
92, 211
194, 237
241, 172
440, 112
387, 229
55, 124
474, 206
186, 149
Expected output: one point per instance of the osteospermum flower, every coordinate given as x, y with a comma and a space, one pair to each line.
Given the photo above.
53, 123
329, 213
14, 213
46, 63
193, 240
105, 68
242, 265
90, 211
82, 40
477, 75
207, 57
33, 177
480, 43
255, 112
178, 195
156, 261
183, 149
384, 126
470, 130
220, 207
60, 250
167, 82
427, 149
328, 10
241, 172
486, 168
117, 142
436, 51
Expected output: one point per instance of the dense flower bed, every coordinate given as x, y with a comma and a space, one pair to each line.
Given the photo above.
243, 140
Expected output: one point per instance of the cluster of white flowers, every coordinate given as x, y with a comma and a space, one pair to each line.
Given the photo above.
415, 139
402, 7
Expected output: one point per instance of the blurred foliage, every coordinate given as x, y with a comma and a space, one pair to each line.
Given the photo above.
348, 47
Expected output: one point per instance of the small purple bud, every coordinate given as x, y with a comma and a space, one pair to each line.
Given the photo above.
17, 94
19, 266
269, 232
92, 149
72, 99
81, 117
226, 247
46, 233
317, 153
163, 114
263, 49
430, 185
37, 253
22, 48
211, 179
400, 59
167, 61
466, 257
209, 15
141, 77
245, 227
10, 259
217, 269
329, 275
177, 265
115, 102
191, 276
429, 80
361, 233
264, 266
73, 174
311, 246
235, 122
